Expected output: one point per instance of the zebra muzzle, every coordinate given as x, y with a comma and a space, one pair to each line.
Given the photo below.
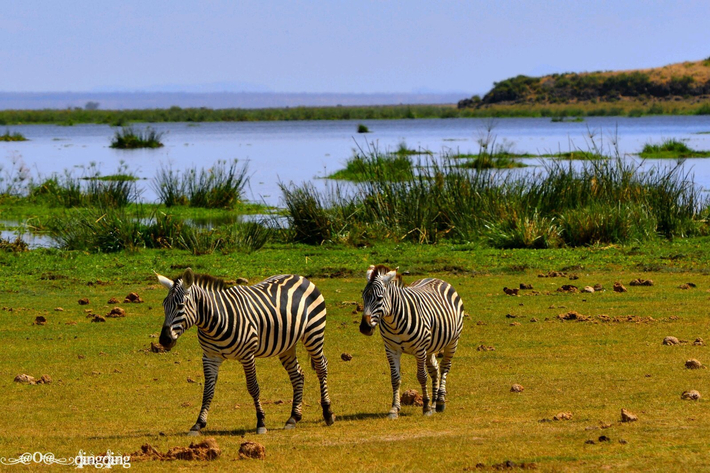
166, 339
366, 327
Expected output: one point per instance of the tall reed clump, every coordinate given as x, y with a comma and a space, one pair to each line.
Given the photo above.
130, 138
90, 190
221, 186
114, 230
572, 204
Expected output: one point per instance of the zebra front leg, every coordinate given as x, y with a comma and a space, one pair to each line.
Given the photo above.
433, 368
393, 357
249, 365
445, 367
290, 363
421, 377
210, 367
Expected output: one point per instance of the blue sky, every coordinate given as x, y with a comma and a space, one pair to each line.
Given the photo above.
334, 46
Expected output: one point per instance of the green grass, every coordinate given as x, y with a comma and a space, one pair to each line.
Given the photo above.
575, 155
486, 161
118, 397
671, 149
363, 167
14, 136
362, 128
130, 138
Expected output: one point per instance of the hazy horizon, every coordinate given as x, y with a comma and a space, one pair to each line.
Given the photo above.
334, 46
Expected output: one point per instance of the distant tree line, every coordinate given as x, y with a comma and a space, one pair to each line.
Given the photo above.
560, 88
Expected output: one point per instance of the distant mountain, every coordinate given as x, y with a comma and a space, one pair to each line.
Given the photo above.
205, 88
141, 100
686, 79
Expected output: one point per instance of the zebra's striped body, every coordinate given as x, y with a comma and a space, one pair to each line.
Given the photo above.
247, 322
421, 319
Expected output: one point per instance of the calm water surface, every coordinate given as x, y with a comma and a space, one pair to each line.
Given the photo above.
305, 150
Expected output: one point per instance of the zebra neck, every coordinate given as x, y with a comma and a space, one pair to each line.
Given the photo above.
204, 308
397, 302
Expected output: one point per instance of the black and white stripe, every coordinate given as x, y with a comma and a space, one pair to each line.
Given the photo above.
421, 319
247, 322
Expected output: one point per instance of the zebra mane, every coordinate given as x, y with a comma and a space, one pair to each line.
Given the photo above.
381, 269
207, 282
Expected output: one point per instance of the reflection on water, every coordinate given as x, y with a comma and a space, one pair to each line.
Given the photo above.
300, 151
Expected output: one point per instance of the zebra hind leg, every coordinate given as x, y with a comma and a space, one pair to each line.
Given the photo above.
320, 362
210, 367
249, 365
433, 368
422, 378
445, 367
290, 363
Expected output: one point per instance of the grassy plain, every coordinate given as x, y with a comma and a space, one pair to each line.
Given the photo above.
110, 392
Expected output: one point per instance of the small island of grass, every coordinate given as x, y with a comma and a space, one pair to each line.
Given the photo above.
671, 149
15, 136
129, 138
372, 167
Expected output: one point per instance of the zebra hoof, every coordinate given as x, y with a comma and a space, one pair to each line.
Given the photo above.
193, 433
289, 426
261, 430
440, 407
330, 420
428, 413
392, 415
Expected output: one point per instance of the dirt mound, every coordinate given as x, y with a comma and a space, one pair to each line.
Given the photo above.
563, 416
485, 348
242, 281
671, 341
691, 395
97, 318
618, 287
699, 342
574, 315
517, 388
524, 286
693, 364
598, 287
511, 291
252, 450
641, 282
411, 397
132, 298
628, 416
569, 288
27, 379
157, 348
113, 300
83, 301
207, 449
346, 357
116, 312
40, 320
588, 290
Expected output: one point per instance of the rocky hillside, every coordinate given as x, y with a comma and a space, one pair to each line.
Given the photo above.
685, 79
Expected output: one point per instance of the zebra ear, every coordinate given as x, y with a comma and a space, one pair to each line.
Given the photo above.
368, 275
390, 276
167, 282
188, 277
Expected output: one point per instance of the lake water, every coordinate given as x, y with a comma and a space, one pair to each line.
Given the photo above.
305, 150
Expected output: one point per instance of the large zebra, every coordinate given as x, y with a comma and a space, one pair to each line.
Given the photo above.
421, 319
247, 322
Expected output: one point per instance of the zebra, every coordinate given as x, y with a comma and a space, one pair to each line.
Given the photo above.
247, 322
421, 319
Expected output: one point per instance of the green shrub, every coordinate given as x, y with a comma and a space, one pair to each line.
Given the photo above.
129, 138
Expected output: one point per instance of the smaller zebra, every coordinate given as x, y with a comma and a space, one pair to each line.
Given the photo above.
421, 319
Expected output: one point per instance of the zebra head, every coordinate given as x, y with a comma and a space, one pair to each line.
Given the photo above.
377, 304
175, 304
